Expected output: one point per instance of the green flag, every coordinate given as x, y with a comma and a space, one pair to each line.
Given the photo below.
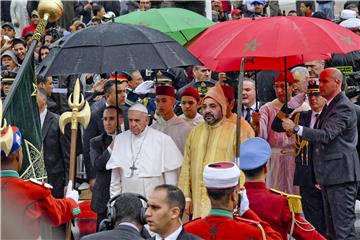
21, 110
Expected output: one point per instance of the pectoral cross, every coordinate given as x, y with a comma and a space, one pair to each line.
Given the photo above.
132, 168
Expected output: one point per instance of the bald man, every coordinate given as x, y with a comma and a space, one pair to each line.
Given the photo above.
336, 162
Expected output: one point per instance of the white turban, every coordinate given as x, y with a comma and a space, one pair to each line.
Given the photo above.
221, 175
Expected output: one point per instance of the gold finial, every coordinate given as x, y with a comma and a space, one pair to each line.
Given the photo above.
80, 110
50, 10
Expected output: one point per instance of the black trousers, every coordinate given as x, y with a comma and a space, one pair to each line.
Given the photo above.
313, 207
339, 204
57, 181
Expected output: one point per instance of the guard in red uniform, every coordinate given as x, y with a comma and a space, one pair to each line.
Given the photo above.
222, 185
25, 203
281, 210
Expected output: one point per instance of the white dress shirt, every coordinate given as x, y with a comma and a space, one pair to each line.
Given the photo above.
172, 236
42, 116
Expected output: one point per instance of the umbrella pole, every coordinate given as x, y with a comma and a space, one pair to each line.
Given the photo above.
256, 94
239, 105
117, 104
286, 89
238, 122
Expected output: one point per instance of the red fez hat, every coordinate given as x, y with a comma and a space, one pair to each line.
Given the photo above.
281, 77
235, 12
228, 92
192, 92
165, 90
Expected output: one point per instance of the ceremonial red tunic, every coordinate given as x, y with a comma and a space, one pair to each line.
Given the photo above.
25, 203
274, 209
221, 224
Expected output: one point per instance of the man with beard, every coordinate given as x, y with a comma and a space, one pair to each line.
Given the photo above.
208, 142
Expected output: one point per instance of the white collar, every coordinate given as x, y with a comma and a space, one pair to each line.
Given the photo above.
172, 236
313, 113
253, 107
329, 101
129, 224
171, 119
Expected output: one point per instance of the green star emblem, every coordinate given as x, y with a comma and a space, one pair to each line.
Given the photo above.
34, 93
36, 168
252, 46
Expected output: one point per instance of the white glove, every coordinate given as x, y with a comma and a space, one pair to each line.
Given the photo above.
145, 87
244, 204
71, 193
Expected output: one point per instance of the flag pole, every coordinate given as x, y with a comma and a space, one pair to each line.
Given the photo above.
20, 106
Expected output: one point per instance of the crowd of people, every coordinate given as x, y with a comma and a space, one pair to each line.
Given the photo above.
160, 147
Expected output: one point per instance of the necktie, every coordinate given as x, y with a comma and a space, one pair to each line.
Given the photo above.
316, 120
248, 115
320, 116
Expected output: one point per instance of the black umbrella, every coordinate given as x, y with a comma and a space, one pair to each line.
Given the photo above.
112, 47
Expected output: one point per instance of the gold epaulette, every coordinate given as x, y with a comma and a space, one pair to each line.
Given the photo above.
294, 201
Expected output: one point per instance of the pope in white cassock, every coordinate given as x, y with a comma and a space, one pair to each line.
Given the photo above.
142, 157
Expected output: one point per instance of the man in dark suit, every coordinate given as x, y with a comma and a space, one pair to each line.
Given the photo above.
56, 147
336, 162
166, 206
96, 126
128, 223
100, 152
56, 150
311, 197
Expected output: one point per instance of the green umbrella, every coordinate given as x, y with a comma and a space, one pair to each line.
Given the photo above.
180, 24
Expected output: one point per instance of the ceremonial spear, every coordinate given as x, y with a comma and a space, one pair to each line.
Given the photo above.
80, 114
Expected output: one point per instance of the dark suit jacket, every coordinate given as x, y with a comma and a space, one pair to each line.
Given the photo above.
335, 157
121, 232
100, 156
56, 147
184, 236
94, 129
357, 110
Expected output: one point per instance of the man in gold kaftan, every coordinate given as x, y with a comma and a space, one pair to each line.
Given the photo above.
209, 142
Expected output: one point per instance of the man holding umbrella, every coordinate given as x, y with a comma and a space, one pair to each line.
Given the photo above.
336, 161
281, 165
96, 126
